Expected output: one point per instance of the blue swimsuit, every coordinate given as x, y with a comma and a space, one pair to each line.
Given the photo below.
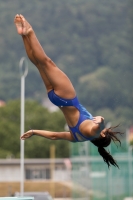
84, 114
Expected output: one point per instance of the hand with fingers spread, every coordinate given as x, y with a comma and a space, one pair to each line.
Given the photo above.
98, 119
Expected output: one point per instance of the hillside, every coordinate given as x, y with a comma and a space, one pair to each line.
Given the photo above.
90, 41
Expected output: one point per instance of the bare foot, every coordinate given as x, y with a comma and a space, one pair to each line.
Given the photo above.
23, 27
18, 23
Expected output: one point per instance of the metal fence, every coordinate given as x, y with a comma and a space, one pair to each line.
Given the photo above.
93, 180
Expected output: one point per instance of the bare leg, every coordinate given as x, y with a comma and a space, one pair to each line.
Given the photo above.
35, 62
52, 76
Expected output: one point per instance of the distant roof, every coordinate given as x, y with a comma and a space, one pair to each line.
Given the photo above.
13, 161
2, 103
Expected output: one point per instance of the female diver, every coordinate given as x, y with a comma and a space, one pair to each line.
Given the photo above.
82, 125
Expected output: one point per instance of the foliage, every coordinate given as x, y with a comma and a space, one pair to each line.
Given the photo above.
36, 117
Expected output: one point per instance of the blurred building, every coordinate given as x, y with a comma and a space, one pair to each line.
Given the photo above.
49, 105
2, 103
35, 169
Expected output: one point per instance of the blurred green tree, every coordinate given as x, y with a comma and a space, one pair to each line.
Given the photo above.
36, 117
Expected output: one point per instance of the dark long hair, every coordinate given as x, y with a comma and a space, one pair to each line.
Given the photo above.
101, 142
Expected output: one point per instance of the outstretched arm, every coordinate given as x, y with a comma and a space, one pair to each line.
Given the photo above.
49, 135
